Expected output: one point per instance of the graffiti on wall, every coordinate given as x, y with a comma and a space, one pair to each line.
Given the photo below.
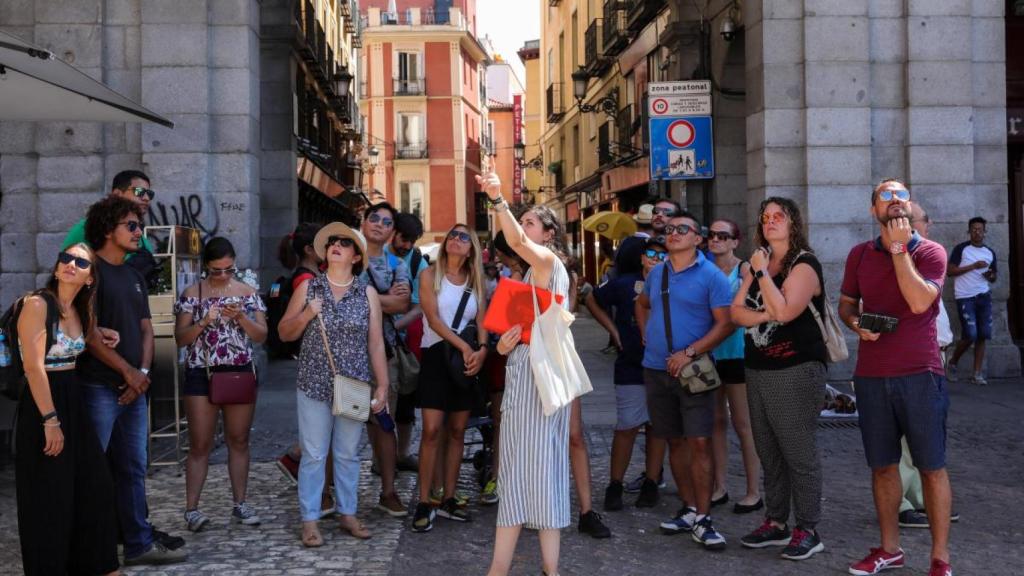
189, 210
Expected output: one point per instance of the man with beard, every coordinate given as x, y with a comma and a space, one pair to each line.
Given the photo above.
899, 378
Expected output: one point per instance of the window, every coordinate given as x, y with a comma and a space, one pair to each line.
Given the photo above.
575, 42
411, 198
409, 66
411, 136
551, 66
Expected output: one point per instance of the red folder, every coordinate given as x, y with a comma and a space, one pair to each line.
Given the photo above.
513, 304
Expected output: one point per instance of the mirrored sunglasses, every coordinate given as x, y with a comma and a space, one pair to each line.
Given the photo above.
383, 220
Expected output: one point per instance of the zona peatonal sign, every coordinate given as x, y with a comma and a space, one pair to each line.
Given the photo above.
680, 130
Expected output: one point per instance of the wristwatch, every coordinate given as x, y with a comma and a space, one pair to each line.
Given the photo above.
897, 248
690, 352
758, 274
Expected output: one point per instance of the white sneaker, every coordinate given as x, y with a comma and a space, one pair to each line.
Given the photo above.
979, 380
196, 520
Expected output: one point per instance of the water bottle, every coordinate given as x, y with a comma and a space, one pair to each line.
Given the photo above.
384, 419
5, 352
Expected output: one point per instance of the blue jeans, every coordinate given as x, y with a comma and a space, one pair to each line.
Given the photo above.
320, 431
975, 317
123, 432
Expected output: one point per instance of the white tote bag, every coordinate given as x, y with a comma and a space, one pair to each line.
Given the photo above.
558, 372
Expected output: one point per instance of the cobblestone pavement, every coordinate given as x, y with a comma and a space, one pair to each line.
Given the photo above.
986, 464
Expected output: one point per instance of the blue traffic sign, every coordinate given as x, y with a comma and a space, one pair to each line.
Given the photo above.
681, 148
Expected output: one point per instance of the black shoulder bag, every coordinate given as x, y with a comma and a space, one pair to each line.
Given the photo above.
699, 375
456, 364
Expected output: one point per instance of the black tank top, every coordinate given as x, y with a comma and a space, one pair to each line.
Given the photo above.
774, 346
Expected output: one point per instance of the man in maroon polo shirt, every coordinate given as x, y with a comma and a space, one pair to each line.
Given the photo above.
899, 378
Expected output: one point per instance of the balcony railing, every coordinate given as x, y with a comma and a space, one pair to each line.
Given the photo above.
452, 16
624, 132
555, 107
641, 12
604, 148
408, 151
616, 36
408, 86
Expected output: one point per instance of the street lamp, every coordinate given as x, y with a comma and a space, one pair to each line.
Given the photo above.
342, 82
609, 103
373, 154
519, 151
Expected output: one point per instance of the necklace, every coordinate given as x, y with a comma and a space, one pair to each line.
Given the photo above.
341, 284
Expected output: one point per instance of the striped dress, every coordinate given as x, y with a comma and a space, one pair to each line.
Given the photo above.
533, 475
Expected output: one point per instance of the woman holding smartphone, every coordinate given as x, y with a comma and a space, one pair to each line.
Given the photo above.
218, 320
784, 355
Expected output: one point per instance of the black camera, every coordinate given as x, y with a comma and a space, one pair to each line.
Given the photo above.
878, 323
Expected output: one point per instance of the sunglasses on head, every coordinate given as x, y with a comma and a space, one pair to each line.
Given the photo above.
222, 271
343, 241
67, 258
716, 235
900, 194
461, 236
664, 211
681, 229
133, 226
139, 192
654, 254
773, 217
383, 220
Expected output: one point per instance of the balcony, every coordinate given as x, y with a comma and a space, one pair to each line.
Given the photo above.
624, 128
616, 36
595, 62
408, 87
305, 30
450, 17
411, 151
555, 107
641, 12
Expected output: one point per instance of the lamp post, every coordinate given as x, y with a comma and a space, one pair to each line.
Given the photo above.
519, 151
342, 82
609, 103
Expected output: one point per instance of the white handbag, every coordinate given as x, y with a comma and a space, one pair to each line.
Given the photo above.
351, 396
558, 372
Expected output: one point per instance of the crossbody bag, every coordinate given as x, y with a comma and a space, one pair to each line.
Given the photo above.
228, 386
699, 375
351, 396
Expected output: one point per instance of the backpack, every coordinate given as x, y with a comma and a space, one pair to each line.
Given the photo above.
12, 376
414, 264
277, 299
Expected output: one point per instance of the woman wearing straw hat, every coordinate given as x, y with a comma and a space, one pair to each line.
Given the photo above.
351, 317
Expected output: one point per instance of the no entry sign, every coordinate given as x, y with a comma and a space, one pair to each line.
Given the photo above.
680, 130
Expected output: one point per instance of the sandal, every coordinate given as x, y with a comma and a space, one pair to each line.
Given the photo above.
311, 537
354, 527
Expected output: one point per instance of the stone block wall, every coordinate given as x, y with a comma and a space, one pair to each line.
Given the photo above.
196, 62
842, 94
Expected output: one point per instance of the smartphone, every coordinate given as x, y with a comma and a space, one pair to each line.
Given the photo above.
879, 323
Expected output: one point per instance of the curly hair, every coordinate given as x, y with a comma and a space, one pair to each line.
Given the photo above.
797, 234
104, 217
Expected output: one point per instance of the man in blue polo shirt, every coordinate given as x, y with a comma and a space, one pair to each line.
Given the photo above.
698, 309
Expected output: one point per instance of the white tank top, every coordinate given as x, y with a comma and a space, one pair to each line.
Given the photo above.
447, 304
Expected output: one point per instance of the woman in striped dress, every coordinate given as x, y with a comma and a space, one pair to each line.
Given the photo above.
533, 475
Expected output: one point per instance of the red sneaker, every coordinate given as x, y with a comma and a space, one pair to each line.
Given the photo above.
877, 561
940, 568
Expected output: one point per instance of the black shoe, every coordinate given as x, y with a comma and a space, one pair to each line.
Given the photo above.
423, 519
451, 510
720, 500
767, 534
648, 494
613, 496
591, 524
168, 541
913, 519
803, 545
747, 508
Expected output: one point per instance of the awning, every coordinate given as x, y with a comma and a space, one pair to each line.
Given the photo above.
311, 174
35, 86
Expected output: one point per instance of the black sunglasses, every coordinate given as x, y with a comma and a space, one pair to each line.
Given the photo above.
139, 192
343, 241
664, 211
462, 236
654, 254
133, 226
682, 229
66, 258
716, 235
384, 220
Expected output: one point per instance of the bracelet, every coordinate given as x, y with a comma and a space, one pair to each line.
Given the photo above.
53, 425
495, 201
502, 207
49, 415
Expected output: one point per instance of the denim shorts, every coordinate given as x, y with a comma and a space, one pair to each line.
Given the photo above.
914, 407
975, 317
630, 406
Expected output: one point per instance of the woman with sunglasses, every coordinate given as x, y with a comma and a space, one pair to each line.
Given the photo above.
533, 481
723, 239
784, 355
218, 320
340, 307
450, 291
65, 493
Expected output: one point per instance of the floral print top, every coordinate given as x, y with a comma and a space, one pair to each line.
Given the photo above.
347, 324
224, 341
